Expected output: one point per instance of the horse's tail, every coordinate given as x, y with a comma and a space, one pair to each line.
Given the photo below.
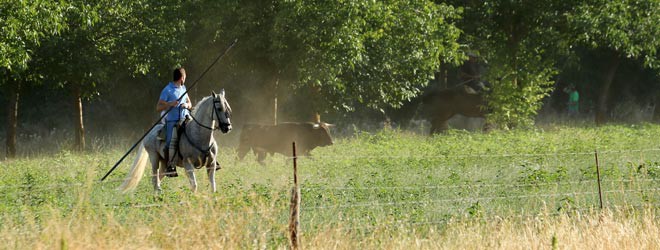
137, 170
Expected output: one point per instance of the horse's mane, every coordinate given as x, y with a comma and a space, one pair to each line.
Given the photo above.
195, 109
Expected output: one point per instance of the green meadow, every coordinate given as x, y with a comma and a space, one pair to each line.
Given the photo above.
387, 189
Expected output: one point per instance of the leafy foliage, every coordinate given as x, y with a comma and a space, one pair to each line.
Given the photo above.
335, 56
521, 43
342, 53
370, 52
108, 37
516, 96
24, 25
628, 27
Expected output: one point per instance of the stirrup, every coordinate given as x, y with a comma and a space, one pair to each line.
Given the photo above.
161, 134
170, 170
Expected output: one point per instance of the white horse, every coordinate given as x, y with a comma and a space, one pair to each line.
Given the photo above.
197, 147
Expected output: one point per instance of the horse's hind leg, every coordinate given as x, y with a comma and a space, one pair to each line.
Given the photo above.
156, 175
190, 172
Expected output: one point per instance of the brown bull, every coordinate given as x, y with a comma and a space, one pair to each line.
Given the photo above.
442, 105
278, 138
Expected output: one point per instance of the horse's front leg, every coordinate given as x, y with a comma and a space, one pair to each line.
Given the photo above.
190, 172
210, 170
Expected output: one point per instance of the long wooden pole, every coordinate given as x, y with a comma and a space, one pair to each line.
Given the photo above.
165, 113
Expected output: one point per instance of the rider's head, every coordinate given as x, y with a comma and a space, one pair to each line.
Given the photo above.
179, 74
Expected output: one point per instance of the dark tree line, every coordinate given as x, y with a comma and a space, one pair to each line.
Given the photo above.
300, 59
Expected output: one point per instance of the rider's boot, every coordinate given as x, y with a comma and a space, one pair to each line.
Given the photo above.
166, 156
171, 162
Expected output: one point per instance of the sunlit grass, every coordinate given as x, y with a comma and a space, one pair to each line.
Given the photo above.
390, 189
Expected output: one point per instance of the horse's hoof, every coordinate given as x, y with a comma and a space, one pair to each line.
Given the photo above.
158, 195
217, 167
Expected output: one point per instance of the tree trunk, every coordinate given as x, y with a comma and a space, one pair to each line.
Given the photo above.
12, 117
601, 108
441, 76
656, 109
316, 95
80, 129
275, 91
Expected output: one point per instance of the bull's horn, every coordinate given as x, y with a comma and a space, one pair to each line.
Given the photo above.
213, 92
222, 92
329, 125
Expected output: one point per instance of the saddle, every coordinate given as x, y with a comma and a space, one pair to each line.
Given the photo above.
162, 134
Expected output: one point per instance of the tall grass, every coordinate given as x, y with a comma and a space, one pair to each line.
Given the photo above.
391, 189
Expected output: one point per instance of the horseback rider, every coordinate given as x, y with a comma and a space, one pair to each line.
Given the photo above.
470, 74
169, 99
470, 70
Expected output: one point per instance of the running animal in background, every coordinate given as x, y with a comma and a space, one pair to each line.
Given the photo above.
441, 105
262, 139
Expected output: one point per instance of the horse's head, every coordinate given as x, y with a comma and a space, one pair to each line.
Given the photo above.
222, 111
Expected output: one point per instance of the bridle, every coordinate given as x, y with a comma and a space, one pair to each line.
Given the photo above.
226, 113
217, 113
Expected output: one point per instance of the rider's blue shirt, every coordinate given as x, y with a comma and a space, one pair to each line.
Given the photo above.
172, 93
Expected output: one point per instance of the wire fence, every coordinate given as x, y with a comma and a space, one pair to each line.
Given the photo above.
37, 187
514, 186
475, 199
556, 154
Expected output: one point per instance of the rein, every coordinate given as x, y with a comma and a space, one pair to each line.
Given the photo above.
215, 111
202, 125
205, 153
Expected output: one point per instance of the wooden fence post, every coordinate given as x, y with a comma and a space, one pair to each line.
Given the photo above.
294, 220
600, 192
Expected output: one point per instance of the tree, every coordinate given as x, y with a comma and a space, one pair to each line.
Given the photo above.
376, 54
108, 38
251, 64
25, 24
341, 54
521, 42
621, 30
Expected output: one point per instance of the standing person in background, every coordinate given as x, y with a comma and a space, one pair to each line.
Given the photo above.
573, 101
174, 97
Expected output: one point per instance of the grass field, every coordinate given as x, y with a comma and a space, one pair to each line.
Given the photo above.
390, 189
